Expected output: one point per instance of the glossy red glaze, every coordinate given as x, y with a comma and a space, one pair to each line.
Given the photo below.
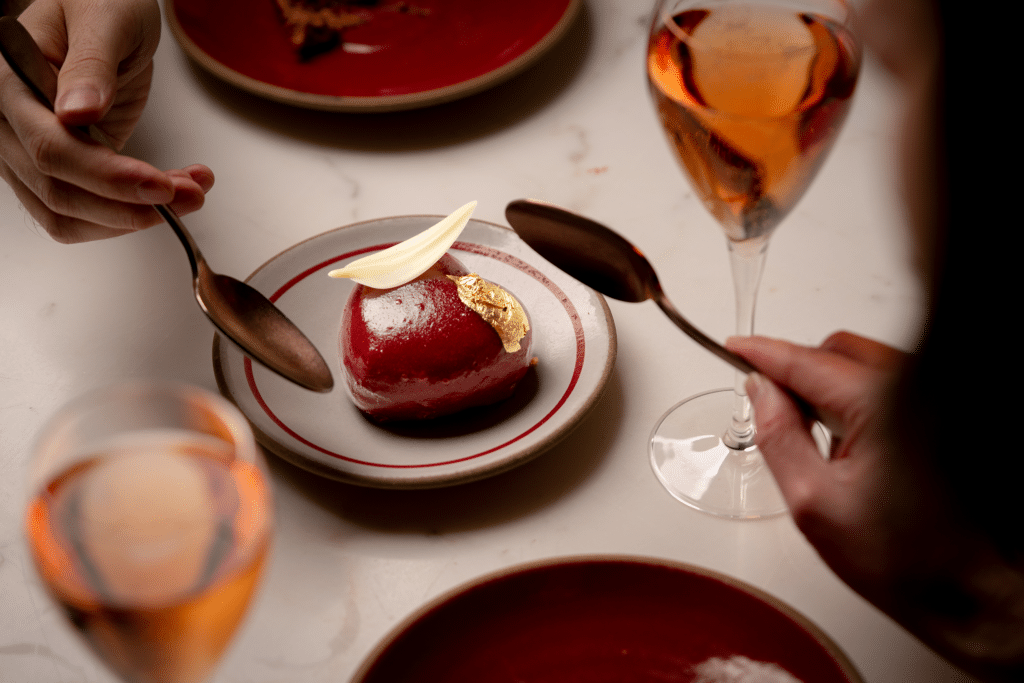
458, 41
416, 351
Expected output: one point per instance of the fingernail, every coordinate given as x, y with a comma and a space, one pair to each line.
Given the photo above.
739, 345
755, 385
81, 98
762, 394
154, 192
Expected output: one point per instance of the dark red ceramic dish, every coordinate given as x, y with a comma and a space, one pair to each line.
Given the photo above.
404, 59
596, 620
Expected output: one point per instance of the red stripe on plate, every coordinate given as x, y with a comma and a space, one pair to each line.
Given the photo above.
481, 250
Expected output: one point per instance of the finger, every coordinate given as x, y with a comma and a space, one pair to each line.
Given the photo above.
202, 175
38, 147
840, 389
785, 440
63, 229
64, 210
98, 218
189, 195
863, 350
98, 43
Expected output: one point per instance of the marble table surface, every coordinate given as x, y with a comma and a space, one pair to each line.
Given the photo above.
349, 563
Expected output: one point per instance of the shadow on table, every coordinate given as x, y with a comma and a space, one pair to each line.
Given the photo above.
486, 502
472, 117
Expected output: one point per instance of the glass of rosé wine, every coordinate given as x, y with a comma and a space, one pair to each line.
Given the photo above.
149, 521
752, 95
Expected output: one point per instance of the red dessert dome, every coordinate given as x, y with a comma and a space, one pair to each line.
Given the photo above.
419, 351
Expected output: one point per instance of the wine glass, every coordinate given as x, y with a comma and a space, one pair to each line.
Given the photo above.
149, 521
752, 95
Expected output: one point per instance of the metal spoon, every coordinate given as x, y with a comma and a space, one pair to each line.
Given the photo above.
241, 313
604, 260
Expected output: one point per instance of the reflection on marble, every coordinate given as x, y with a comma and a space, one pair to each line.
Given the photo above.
692, 476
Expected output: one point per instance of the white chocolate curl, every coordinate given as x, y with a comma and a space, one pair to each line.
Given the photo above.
407, 260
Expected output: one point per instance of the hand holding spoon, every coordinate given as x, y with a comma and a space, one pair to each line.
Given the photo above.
241, 313
604, 260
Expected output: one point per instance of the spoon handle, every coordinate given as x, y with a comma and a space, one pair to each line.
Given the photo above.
707, 342
171, 218
725, 354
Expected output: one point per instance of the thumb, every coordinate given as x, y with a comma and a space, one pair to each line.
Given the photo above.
87, 81
785, 440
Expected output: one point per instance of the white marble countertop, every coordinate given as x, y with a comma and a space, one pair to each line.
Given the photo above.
349, 563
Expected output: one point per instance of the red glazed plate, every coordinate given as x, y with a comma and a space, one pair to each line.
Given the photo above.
394, 61
606, 620
573, 339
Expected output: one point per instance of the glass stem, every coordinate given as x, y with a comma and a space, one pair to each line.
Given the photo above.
747, 261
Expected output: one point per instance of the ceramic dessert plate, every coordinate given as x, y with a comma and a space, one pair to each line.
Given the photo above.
405, 55
618, 619
574, 342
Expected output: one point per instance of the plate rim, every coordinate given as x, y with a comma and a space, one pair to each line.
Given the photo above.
819, 635
372, 104
488, 469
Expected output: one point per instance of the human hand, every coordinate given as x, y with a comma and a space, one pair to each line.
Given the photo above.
884, 517
831, 500
76, 188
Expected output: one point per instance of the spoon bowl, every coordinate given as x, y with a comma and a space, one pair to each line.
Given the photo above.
238, 311
602, 259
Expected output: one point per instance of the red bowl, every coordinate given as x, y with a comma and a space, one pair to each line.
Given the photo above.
595, 620
459, 47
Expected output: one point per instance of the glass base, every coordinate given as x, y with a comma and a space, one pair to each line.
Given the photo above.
697, 468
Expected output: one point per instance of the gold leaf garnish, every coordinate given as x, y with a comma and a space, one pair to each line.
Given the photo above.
500, 309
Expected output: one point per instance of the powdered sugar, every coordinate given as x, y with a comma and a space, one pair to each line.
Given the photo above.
740, 669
